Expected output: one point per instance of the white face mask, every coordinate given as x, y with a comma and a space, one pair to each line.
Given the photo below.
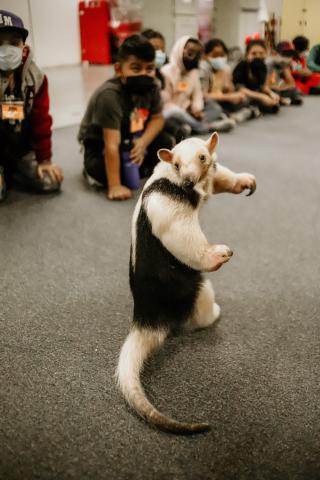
160, 58
10, 57
218, 62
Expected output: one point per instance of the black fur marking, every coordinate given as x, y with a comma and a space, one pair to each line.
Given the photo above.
164, 289
177, 193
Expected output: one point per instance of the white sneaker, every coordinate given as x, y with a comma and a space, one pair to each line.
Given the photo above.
223, 125
91, 181
242, 115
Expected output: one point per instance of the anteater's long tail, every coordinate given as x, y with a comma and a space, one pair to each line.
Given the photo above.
139, 344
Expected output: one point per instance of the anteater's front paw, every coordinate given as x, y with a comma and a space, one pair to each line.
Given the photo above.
245, 181
218, 255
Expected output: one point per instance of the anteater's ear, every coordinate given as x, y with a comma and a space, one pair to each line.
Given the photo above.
212, 142
165, 155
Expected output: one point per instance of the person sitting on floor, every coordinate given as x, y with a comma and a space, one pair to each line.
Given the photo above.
280, 78
307, 81
216, 82
313, 59
250, 78
25, 123
123, 123
182, 95
158, 41
178, 130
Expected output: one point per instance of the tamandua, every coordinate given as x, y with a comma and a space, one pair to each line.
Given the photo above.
169, 252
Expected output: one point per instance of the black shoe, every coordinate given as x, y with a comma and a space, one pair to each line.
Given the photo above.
92, 182
3, 187
184, 131
314, 91
296, 101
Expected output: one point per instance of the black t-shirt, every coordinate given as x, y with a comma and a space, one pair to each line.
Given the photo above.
112, 106
245, 77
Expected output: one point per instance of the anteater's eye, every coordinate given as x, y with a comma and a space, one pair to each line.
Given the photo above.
176, 166
202, 158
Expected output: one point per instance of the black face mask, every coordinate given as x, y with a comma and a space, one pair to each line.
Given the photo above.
139, 84
259, 69
190, 63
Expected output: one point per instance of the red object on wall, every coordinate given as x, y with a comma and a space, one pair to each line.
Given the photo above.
125, 29
95, 31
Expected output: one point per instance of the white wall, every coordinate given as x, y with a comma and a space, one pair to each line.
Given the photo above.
226, 21
159, 15
54, 29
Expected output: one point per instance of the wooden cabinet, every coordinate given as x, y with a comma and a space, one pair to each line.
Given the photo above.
301, 17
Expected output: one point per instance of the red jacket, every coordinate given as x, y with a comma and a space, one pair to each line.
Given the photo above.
40, 122
34, 86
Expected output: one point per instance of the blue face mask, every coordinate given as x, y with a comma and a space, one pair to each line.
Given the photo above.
218, 62
160, 58
10, 57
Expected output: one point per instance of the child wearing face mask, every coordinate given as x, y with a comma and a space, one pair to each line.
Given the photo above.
25, 123
157, 40
122, 128
279, 76
216, 82
182, 95
177, 129
250, 78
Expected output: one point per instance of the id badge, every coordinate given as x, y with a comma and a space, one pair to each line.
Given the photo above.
182, 87
12, 111
136, 121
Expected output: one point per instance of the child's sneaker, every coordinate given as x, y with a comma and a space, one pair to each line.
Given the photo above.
255, 112
296, 101
3, 188
285, 101
242, 115
90, 180
223, 125
184, 131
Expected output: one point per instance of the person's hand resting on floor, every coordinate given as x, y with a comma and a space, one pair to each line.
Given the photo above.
119, 192
54, 171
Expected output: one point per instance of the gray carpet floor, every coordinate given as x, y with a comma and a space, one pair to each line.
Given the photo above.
66, 309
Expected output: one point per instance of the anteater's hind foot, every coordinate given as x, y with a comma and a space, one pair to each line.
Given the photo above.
206, 311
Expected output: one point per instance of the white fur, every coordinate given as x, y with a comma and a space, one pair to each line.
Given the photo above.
206, 310
137, 347
176, 225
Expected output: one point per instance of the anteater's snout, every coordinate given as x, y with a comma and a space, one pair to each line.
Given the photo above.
188, 184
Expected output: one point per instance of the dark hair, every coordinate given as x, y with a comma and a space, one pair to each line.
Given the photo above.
149, 33
138, 46
253, 43
213, 43
286, 49
194, 40
300, 43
